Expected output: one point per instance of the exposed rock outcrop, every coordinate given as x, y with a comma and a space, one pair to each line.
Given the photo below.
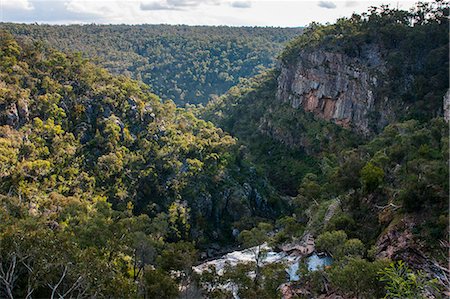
14, 114
447, 106
397, 243
333, 86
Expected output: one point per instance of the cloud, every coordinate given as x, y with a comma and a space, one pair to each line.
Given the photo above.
16, 4
351, 3
47, 11
176, 4
193, 12
157, 6
183, 3
327, 4
241, 4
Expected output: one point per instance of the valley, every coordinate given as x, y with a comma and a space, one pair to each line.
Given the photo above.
174, 161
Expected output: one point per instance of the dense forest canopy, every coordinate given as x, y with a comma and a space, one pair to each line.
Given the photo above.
108, 191
183, 63
98, 166
360, 195
415, 76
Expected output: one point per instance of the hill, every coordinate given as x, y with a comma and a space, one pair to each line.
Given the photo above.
349, 127
99, 179
340, 151
187, 64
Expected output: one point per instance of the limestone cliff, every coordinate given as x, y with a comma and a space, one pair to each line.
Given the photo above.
335, 87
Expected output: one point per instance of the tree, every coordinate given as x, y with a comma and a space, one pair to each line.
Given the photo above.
402, 282
255, 239
353, 247
358, 277
179, 220
331, 242
157, 284
180, 257
372, 176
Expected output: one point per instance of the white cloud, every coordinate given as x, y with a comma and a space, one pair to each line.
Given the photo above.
176, 4
351, 3
284, 13
326, 4
16, 4
241, 4
183, 3
157, 6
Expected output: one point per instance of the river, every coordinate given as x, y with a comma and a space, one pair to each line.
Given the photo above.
291, 261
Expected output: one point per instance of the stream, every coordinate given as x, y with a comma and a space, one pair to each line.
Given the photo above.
313, 261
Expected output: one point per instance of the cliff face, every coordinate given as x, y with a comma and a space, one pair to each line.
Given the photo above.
446, 103
334, 86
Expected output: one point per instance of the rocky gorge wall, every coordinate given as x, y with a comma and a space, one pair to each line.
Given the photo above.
335, 87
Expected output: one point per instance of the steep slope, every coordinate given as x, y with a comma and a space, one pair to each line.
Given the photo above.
368, 71
74, 128
186, 64
104, 189
282, 141
348, 118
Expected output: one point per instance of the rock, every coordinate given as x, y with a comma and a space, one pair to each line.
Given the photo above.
235, 204
333, 86
9, 115
107, 112
446, 101
397, 243
24, 113
203, 255
14, 114
82, 132
133, 103
204, 205
53, 225
304, 247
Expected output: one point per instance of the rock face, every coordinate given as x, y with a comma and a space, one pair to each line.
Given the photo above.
14, 114
397, 243
447, 106
333, 86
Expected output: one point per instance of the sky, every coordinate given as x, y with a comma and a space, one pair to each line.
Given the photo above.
281, 13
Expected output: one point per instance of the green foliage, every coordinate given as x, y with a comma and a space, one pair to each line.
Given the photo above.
186, 64
353, 247
358, 277
402, 282
372, 176
265, 277
270, 278
256, 236
414, 44
288, 227
81, 131
178, 256
341, 222
157, 284
102, 186
283, 142
331, 242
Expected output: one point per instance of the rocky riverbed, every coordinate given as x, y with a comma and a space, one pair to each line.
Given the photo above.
291, 255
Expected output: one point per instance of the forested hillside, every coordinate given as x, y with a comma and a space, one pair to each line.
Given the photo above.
182, 63
339, 153
100, 179
383, 191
